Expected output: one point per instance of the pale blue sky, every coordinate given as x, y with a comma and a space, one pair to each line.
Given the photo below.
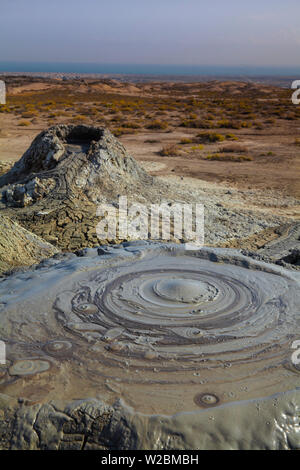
223, 32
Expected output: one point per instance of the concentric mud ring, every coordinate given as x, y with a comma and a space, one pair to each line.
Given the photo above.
160, 323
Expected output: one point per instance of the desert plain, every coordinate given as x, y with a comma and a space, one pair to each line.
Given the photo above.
236, 141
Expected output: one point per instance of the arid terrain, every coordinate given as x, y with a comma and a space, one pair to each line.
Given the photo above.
235, 143
105, 342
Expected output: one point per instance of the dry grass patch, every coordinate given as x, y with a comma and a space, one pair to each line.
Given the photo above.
157, 125
24, 123
211, 137
197, 147
122, 131
169, 150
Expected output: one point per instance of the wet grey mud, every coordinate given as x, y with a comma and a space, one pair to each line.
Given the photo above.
150, 345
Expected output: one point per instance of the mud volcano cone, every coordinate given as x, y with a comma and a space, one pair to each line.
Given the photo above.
55, 187
149, 345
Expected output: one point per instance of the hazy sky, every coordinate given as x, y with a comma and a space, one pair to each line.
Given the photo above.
229, 32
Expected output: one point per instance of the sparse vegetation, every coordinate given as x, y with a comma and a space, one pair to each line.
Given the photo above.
4, 108
131, 125
211, 137
122, 130
24, 123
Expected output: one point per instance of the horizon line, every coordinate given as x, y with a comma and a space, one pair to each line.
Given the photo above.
15, 61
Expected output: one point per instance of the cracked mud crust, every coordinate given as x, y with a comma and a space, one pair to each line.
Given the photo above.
267, 424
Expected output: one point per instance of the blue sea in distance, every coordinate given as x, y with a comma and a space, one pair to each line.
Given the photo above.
142, 69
